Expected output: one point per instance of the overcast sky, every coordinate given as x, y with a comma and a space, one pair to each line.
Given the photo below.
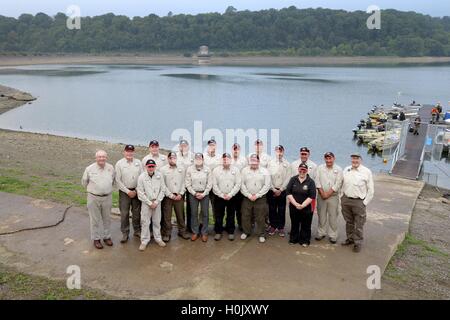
132, 8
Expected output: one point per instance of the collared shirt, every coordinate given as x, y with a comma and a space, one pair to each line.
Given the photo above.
212, 161
97, 180
301, 190
240, 162
264, 159
186, 159
160, 159
311, 168
329, 178
127, 174
198, 180
358, 183
174, 179
280, 172
226, 181
151, 188
255, 182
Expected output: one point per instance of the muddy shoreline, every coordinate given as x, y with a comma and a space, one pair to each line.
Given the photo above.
11, 98
168, 59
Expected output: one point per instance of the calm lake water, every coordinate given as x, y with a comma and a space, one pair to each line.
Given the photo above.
311, 106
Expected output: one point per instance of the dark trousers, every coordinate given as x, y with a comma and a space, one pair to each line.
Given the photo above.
220, 206
188, 212
354, 213
178, 206
277, 210
301, 221
238, 203
125, 205
257, 211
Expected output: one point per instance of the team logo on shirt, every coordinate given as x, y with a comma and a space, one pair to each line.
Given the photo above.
305, 188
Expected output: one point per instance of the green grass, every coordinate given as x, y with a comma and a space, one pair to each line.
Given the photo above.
17, 285
423, 249
64, 190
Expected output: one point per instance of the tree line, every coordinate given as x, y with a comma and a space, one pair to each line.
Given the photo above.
289, 31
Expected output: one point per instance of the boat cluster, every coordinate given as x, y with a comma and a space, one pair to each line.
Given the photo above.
373, 131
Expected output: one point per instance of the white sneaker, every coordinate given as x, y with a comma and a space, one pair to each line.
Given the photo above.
160, 243
142, 247
262, 239
243, 236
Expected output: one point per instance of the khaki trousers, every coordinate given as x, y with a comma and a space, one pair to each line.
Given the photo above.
328, 212
167, 206
99, 209
354, 213
257, 209
150, 215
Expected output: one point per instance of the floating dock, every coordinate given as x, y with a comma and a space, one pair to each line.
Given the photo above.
408, 166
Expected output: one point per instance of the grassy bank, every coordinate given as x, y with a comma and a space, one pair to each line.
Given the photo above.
419, 268
19, 286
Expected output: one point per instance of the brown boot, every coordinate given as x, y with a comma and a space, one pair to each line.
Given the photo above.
204, 238
98, 244
194, 237
124, 238
108, 242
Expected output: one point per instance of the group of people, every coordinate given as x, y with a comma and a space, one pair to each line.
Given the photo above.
253, 190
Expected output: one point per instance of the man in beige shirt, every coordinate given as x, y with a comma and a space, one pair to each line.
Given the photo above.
254, 187
155, 155
328, 183
186, 158
280, 172
358, 191
151, 190
264, 158
240, 162
305, 153
174, 175
99, 179
128, 170
226, 184
211, 158
199, 184
237, 159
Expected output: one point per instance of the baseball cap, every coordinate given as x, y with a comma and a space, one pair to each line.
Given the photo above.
355, 155
328, 155
172, 155
153, 143
184, 142
236, 146
198, 155
129, 147
254, 156
304, 149
279, 147
226, 155
303, 166
211, 141
150, 163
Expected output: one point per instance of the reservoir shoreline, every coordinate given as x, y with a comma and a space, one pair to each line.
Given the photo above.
11, 98
168, 59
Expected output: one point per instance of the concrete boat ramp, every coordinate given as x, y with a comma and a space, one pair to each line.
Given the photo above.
215, 270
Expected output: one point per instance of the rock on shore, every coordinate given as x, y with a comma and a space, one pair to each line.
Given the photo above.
11, 98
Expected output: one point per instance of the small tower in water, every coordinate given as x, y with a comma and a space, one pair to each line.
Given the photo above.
203, 55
